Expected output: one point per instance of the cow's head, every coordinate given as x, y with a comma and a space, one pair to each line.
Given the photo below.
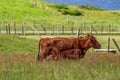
92, 42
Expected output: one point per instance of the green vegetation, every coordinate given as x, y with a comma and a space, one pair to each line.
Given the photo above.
18, 61
24, 67
18, 54
72, 12
20, 10
37, 11
66, 11
15, 44
89, 7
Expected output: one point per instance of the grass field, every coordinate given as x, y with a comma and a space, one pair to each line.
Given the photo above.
92, 67
18, 61
18, 53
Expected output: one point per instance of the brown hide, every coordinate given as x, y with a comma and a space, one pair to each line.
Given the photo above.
56, 45
44, 48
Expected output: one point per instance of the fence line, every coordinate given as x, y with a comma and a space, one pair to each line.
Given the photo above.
57, 29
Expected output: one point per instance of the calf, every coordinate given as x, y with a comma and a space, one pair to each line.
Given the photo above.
68, 54
71, 54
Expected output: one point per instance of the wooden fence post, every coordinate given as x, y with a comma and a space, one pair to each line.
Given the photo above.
6, 29
23, 28
9, 28
57, 31
62, 28
116, 44
102, 28
90, 29
108, 44
53, 29
72, 27
15, 27
2, 26
78, 32
43, 27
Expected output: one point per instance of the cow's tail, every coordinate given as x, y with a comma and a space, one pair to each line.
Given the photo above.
38, 56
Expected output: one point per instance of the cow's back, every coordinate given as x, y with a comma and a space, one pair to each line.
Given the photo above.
66, 43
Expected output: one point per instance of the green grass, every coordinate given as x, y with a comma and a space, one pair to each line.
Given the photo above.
18, 61
14, 44
18, 54
89, 7
66, 11
20, 10
23, 67
42, 12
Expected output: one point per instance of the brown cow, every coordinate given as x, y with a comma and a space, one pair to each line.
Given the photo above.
57, 45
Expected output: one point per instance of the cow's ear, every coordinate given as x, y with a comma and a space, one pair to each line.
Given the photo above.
91, 40
87, 36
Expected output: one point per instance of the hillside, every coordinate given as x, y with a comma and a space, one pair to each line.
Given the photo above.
20, 10
31, 11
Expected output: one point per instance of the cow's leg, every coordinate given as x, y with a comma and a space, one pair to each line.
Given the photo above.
38, 57
41, 56
56, 53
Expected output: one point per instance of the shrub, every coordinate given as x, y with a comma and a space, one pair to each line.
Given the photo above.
72, 12
66, 11
89, 7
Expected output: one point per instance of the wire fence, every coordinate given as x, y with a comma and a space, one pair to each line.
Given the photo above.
43, 28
